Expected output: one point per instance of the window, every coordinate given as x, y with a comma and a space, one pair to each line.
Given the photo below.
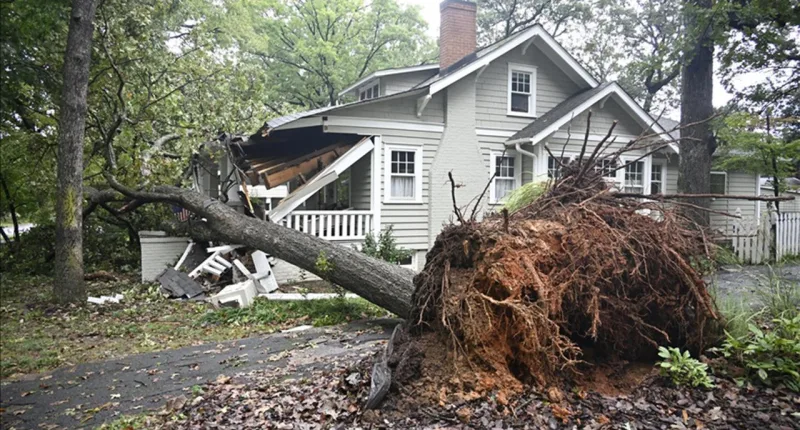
608, 168
719, 183
554, 166
504, 170
370, 91
404, 174
657, 179
634, 177
521, 90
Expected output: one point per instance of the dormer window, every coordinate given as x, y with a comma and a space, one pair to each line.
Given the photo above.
369, 91
521, 90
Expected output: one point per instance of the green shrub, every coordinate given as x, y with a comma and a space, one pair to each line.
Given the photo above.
682, 369
524, 195
737, 314
771, 355
779, 296
385, 248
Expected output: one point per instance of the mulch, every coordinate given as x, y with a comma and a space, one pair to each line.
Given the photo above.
333, 398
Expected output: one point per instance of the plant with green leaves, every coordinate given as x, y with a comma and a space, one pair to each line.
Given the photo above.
524, 196
762, 145
682, 369
385, 247
772, 356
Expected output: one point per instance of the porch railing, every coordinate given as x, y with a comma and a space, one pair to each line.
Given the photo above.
331, 225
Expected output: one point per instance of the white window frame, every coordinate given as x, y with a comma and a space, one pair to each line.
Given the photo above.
663, 165
493, 165
369, 85
645, 172
524, 68
387, 173
725, 174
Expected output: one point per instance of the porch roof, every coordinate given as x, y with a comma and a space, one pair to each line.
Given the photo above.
327, 175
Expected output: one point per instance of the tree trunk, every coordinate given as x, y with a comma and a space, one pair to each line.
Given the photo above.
697, 142
13, 210
68, 284
386, 285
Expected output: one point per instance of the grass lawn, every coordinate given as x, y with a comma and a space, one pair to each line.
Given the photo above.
37, 336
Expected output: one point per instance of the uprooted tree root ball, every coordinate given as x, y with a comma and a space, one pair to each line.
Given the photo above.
578, 276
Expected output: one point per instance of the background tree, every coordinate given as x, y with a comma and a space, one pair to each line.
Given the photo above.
68, 285
313, 49
498, 19
761, 145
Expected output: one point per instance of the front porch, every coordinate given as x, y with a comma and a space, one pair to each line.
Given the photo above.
348, 225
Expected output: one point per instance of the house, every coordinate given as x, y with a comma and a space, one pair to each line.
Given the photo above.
381, 158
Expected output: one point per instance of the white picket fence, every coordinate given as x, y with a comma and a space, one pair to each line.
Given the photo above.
787, 234
752, 239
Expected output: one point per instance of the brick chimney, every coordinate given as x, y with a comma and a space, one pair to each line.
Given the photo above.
457, 31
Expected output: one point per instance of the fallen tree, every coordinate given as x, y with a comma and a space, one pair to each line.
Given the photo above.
386, 285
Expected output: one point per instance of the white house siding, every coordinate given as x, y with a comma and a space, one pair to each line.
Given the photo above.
409, 220
402, 109
459, 153
789, 206
159, 251
553, 86
602, 118
403, 82
738, 183
360, 181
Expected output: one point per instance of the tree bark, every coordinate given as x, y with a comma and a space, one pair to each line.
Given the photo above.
697, 141
12, 208
386, 285
68, 284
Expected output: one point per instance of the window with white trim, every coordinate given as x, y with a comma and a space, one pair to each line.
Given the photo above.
404, 174
554, 166
521, 90
657, 178
634, 177
608, 168
719, 183
370, 91
504, 170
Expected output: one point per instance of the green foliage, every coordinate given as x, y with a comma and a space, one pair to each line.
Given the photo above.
313, 49
317, 312
780, 297
682, 369
498, 19
754, 144
385, 248
524, 195
771, 356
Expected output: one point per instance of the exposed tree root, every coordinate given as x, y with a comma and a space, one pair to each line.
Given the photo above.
526, 297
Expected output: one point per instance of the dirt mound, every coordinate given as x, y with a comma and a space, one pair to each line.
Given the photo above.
579, 275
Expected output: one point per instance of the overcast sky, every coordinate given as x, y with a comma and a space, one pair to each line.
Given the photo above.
430, 11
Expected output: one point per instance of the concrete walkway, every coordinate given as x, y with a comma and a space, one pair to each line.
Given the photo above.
86, 395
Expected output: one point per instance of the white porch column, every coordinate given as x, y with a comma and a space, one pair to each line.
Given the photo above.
375, 187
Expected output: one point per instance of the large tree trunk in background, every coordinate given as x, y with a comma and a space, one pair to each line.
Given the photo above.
68, 284
386, 285
697, 142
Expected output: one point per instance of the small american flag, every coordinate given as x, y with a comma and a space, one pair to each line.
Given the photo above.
180, 213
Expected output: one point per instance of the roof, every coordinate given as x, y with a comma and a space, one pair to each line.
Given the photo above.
555, 118
326, 176
276, 123
560, 111
482, 57
389, 72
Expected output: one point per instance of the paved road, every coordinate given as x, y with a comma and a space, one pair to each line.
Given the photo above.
88, 394
744, 281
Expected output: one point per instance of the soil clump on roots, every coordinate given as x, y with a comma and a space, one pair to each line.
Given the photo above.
579, 277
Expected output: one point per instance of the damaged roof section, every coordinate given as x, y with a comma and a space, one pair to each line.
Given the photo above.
281, 156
